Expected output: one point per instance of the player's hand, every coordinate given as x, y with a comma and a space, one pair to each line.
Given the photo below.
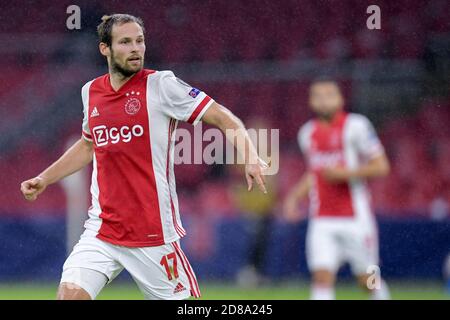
336, 174
32, 188
256, 172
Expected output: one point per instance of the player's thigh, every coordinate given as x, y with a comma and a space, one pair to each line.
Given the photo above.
322, 249
161, 272
91, 264
361, 249
81, 284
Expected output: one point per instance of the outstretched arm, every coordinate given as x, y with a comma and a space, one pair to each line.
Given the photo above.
376, 167
234, 130
77, 157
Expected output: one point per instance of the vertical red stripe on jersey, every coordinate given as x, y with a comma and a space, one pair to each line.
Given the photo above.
334, 199
180, 231
195, 290
199, 109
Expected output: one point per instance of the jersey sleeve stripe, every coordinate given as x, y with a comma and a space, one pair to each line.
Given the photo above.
201, 108
87, 136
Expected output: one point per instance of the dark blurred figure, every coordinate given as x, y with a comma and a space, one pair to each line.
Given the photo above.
258, 212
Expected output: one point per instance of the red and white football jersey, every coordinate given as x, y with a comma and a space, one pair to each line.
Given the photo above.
134, 201
348, 141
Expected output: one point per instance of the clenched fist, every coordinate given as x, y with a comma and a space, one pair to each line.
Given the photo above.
32, 188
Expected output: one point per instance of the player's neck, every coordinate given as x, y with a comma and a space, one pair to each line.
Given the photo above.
118, 80
329, 119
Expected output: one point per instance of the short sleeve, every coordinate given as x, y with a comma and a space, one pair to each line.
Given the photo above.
180, 100
366, 139
86, 132
304, 137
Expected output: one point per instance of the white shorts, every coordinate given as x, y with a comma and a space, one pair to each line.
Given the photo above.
161, 272
331, 242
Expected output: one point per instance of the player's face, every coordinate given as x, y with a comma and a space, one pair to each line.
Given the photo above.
325, 99
127, 48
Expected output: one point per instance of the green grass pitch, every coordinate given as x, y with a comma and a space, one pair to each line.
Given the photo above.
129, 291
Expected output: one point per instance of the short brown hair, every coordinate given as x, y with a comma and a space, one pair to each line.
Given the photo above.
326, 79
104, 29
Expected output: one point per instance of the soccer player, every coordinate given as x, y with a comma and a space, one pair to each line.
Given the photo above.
342, 151
130, 117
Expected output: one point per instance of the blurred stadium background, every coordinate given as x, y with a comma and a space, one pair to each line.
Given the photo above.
257, 58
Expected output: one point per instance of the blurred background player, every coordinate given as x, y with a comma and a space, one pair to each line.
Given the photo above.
130, 118
342, 151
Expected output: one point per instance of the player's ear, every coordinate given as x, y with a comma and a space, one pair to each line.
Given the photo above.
104, 49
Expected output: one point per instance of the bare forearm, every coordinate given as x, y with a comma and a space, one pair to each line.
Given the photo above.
235, 133
301, 189
77, 157
377, 167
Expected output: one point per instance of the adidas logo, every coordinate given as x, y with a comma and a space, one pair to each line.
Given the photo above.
179, 288
94, 112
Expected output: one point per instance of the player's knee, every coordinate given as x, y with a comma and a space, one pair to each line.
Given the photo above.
71, 291
363, 281
323, 278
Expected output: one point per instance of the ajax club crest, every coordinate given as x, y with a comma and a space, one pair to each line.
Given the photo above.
132, 105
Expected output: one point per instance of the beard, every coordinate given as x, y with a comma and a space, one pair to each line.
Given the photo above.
123, 70
326, 116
